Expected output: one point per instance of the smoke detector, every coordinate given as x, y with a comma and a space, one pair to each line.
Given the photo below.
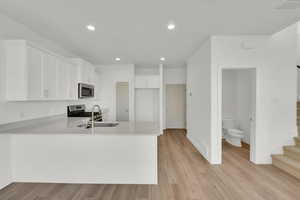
288, 5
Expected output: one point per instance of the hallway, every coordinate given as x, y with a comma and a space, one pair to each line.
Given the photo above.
183, 175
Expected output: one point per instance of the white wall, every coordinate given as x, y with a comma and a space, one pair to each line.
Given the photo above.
199, 99
298, 60
15, 111
5, 160
245, 101
229, 94
109, 75
298, 46
175, 75
275, 59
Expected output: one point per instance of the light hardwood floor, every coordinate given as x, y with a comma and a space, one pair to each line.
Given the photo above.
183, 175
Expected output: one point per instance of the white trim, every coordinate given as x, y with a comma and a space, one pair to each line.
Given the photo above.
200, 147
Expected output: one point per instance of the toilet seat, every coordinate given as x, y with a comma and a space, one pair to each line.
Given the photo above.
232, 134
235, 132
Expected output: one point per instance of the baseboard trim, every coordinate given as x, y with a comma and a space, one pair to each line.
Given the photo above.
4, 185
200, 147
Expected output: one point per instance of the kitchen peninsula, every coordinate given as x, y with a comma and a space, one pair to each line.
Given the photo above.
57, 150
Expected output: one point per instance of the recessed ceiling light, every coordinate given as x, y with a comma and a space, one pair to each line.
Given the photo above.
91, 27
117, 59
171, 26
162, 59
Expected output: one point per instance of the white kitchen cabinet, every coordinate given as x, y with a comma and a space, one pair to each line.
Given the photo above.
147, 81
73, 87
153, 82
86, 71
140, 82
49, 76
33, 73
62, 80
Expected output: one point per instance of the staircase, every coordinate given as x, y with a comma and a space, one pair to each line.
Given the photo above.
290, 160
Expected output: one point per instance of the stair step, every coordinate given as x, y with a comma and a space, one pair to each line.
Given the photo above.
297, 141
292, 152
287, 164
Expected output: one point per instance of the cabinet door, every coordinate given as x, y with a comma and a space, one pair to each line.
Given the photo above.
91, 74
84, 72
34, 66
140, 82
153, 82
73, 85
62, 80
49, 76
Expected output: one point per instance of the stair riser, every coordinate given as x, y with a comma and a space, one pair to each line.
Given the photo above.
292, 154
285, 167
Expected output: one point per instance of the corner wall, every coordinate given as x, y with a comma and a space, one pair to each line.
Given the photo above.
199, 99
274, 57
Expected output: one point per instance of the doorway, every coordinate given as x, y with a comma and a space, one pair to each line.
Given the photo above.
122, 101
238, 110
175, 106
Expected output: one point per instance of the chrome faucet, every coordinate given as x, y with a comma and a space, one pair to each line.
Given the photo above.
93, 111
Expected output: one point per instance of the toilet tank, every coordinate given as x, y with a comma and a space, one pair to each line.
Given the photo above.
228, 123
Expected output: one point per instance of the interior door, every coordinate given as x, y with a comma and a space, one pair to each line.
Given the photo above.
176, 106
122, 101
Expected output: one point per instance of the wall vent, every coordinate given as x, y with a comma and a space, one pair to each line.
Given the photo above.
288, 5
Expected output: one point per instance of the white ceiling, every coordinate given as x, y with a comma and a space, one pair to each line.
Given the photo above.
135, 30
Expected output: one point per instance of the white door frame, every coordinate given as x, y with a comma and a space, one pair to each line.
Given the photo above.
253, 136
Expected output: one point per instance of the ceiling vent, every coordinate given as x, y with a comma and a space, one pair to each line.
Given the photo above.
288, 5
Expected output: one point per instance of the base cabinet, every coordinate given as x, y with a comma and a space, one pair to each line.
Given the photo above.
84, 159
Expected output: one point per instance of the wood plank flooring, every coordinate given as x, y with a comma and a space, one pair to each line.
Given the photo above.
183, 175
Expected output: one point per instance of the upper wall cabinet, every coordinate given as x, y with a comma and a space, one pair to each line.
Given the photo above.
147, 81
86, 71
33, 73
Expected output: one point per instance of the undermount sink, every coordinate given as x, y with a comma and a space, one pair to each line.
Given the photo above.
106, 124
100, 124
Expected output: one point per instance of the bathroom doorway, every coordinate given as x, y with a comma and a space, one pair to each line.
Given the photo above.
238, 110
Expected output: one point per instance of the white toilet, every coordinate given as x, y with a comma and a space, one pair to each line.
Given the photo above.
231, 133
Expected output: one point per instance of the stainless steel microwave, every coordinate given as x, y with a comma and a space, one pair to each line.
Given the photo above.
85, 91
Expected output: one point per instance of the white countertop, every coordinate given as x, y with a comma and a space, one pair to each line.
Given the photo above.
63, 125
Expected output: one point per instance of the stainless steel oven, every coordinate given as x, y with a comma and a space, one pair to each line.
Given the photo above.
85, 91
